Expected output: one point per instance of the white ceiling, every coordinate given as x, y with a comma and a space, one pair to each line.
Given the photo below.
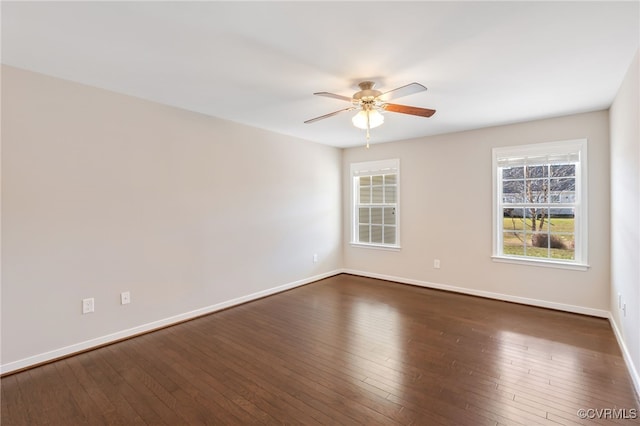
258, 63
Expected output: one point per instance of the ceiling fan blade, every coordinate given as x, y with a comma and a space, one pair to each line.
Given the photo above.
405, 109
333, 95
405, 90
331, 114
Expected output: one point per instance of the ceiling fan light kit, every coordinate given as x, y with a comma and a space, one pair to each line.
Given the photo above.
367, 119
370, 104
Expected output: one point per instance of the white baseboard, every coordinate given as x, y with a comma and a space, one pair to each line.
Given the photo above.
633, 371
487, 294
145, 328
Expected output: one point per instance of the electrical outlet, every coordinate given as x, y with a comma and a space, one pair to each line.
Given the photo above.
624, 309
315, 257
436, 263
87, 305
125, 298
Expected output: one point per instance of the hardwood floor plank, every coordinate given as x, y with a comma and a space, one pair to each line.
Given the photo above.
188, 393
137, 392
61, 407
344, 350
358, 409
300, 389
14, 406
131, 404
253, 383
89, 410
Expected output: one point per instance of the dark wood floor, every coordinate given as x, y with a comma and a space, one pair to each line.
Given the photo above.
344, 350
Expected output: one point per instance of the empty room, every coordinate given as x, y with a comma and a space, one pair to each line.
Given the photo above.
334, 213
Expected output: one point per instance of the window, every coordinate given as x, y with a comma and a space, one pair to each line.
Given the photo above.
540, 213
375, 193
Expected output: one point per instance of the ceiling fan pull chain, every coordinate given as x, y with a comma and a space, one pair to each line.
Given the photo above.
368, 127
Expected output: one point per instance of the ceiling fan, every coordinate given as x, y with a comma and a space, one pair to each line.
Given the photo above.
370, 103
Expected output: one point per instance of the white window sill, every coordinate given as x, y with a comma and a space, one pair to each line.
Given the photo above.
546, 263
376, 246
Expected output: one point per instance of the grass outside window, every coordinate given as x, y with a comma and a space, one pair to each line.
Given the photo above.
518, 239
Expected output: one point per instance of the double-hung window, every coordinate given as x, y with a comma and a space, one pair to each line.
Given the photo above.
375, 194
540, 212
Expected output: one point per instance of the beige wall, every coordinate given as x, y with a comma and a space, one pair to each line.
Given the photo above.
446, 208
625, 215
103, 193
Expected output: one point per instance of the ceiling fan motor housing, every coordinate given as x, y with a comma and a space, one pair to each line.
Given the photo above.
367, 92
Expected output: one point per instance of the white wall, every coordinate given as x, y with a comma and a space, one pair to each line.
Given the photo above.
446, 208
625, 215
104, 193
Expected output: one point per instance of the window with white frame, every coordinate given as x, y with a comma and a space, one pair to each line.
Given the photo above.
540, 209
375, 195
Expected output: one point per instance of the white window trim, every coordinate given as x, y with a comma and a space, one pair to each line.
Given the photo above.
581, 223
387, 247
369, 168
